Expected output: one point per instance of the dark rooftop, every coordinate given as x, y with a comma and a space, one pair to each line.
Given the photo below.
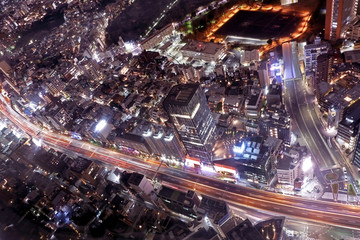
181, 94
244, 231
135, 178
262, 25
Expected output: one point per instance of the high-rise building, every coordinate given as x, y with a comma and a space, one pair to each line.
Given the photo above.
349, 126
188, 110
324, 64
339, 16
356, 158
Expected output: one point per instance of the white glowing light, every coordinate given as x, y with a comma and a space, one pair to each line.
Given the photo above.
2, 125
331, 130
129, 46
307, 164
33, 106
96, 57
100, 125
240, 149
37, 142
266, 90
207, 168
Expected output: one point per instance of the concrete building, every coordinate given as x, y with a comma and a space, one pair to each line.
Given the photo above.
184, 204
162, 141
339, 15
203, 51
323, 68
157, 37
254, 160
356, 157
188, 110
349, 127
140, 183
254, 103
288, 167
312, 52
276, 123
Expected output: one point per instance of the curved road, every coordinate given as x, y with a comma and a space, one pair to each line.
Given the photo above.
300, 208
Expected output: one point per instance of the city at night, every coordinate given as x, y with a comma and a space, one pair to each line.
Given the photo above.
179, 119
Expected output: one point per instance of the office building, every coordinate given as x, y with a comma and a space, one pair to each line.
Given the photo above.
323, 68
356, 157
275, 122
288, 167
188, 110
349, 127
253, 160
339, 16
312, 52
184, 204
254, 103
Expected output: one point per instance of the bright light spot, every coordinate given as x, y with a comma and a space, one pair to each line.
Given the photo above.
240, 149
17, 134
100, 125
307, 164
37, 142
129, 46
96, 57
2, 125
293, 139
33, 106
331, 130
207, 168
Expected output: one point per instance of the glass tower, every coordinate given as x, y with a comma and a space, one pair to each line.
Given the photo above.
188, 110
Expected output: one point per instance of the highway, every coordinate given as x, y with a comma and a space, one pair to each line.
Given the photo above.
300, 105
300, 208
303, 113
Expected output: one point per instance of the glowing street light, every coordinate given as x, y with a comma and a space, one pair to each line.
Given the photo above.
307, 164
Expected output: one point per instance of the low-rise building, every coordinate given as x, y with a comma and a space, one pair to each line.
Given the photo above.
203, 51
157, 37
253, 104
183, 203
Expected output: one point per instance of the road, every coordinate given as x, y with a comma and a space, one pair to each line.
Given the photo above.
300, 208
300, 105
303, 113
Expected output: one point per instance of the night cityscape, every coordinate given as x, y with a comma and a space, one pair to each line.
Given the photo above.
180, 119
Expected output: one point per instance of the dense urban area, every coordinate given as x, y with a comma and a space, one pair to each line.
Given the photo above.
177, 119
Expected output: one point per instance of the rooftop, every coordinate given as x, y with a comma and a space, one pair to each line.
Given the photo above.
261, 24
203, 47
181, 94
244, 231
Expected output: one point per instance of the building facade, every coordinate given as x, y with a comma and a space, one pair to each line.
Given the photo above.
188, 110
339, 15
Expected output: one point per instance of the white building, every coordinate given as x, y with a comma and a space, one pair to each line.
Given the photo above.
312, 51
288, 167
